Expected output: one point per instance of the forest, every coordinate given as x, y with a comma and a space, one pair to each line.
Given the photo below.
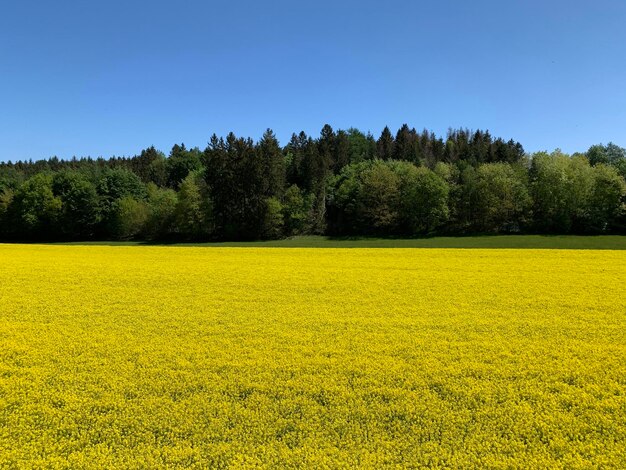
342, 183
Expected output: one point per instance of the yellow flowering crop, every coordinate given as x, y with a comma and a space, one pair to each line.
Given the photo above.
154, 357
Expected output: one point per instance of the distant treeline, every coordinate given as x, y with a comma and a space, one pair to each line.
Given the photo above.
342, 183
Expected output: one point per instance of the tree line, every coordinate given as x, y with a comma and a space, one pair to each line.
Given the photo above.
342, 183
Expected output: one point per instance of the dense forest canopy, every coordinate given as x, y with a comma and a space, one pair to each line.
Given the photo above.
341, 183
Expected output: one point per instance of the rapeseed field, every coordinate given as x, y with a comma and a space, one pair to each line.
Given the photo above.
165, 357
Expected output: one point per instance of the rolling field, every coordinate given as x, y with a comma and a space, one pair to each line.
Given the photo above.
155, 357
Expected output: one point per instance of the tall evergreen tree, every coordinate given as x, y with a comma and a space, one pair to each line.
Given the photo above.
406, 145
341, 151
271, 156
235, 176
385, 145
294, 159
142, 164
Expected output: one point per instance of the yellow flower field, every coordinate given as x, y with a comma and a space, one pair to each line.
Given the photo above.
149, 357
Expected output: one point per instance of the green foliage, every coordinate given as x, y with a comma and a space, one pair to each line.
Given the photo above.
607, 154
158, 170
424, 200
341, 151
10, 178
606, 203
388, 197
407, 145
181, 163
146, 165
6, 198
446, 171
80, 212
385, 145
561, 188
318, 164
35, 209
236, 178
366, 199
162, 203
274, 220
116, 184
295, 210
463, 192
345, 182
477, 148
192, 214
128, 218
502, 198
273, 163
379, 198
294, 159
361, 147
119, 182
610, 154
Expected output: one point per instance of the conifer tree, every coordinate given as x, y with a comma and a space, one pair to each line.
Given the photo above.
385, 145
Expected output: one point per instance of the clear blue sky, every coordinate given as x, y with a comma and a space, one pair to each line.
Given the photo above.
113, 77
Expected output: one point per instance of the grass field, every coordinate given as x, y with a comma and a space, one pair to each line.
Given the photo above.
556, 242
155, 357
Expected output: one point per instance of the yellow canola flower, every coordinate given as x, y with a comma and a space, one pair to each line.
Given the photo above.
166, 357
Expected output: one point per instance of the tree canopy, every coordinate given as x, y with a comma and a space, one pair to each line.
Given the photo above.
343, 182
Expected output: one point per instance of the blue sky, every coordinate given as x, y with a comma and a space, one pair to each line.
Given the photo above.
113, 77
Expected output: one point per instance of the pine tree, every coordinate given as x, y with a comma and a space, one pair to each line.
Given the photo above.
385, 145
271, 155
406, 145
